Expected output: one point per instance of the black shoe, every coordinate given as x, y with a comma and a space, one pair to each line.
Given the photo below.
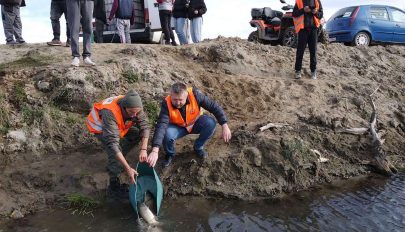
174, 43
117, 190
114, 185
201, 153
168, 161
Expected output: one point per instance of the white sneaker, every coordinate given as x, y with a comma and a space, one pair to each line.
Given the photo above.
313, 75
75, 62
88, 61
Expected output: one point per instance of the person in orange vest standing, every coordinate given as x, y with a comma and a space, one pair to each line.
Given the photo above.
180, 115
119, 123
307, 15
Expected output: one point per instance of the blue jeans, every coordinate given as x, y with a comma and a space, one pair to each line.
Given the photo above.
180, 30
196, 24
204, 126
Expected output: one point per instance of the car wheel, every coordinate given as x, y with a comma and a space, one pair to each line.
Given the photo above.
254, 37
361, 39
290, 38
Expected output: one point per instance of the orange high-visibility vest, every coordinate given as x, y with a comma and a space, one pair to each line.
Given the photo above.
192, 112
299, 21
94, 123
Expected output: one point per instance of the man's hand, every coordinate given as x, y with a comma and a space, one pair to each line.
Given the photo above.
142, 155
226, 133
132, 173
307, 9
314, 11
196, 12
153, 156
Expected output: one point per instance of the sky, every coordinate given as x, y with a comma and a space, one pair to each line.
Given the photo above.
228, 18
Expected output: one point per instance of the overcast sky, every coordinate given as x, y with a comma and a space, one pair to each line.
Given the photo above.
224, 17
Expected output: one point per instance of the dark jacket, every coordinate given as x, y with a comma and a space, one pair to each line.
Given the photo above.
12, 2
198, 5
180, 9
115, 10
111, 134
99, 11
308, 19
203, 101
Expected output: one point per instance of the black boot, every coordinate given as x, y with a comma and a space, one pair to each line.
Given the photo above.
168, 161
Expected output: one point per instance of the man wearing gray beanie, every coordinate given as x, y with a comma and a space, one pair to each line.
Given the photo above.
119, 123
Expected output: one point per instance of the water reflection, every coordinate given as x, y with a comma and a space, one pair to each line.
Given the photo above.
369, 204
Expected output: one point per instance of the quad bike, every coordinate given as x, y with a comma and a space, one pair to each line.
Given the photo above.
275, 27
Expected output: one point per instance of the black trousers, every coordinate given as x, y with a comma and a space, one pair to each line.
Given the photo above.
165, 19
307, 36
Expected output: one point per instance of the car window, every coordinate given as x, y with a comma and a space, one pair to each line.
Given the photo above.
379, 13
344, 13
397, 15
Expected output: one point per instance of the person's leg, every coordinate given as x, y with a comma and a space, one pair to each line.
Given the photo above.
64, 7
312, 44
99, 31
73, 15
179, 27
127, 28
121, 29
196, 24
114, 168
8, 16
169, 25
56, 13
173, 133
18, 25
130, 140
163, 23
205, 126
302, 44
86, 9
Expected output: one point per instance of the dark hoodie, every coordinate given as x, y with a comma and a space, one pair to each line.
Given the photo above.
198, 5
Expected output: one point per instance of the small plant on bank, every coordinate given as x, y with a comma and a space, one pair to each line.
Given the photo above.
111, 61
18, 95
80, 204
291, 148
4, 115
130, 76
31, 115
152, 109
26, 62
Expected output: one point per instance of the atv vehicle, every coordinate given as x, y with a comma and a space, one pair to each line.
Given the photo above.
275, 27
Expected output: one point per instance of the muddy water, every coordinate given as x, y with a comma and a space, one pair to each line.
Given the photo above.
367, 204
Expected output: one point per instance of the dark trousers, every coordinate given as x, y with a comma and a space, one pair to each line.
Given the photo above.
57, 9
99, 31
307, 36
165, 19
129, 141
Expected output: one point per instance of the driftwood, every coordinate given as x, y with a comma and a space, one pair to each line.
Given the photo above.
272, 125
320, 158
382, 164
354, 131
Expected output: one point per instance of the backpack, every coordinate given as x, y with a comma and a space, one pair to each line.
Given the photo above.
125, 9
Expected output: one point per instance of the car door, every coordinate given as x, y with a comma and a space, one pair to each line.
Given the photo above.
398, 17
381, 28
152, 9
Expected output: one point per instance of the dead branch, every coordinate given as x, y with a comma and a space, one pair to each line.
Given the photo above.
272, 125
354, 131
382, 163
